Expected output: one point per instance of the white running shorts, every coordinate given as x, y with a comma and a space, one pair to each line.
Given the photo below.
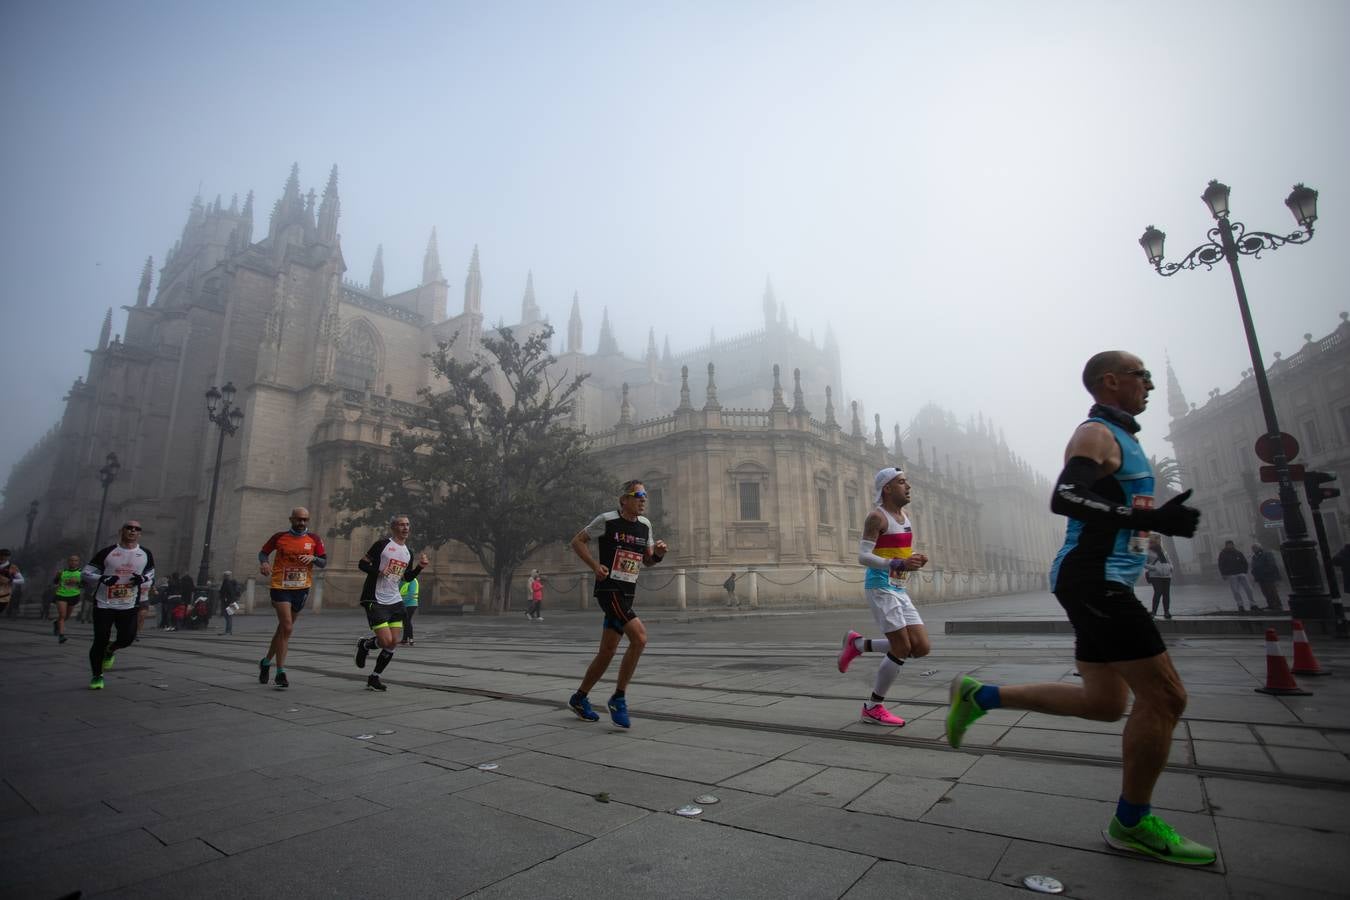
892, 610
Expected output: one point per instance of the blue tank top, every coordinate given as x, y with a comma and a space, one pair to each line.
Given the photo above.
1095, 552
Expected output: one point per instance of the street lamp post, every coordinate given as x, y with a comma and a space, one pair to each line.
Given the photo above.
227, 418
1228, 240
106, 476
28, 535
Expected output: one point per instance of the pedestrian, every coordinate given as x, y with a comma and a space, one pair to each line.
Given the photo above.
537, 597
411, 591
119, 575
1233, 568
886, 551
298, 550
187, 589
625, 543
1342, 561
68, 587
11, 581
1158, 571
1106, 491
229, 595
170, 597
1266, 573
730, 587
387, 567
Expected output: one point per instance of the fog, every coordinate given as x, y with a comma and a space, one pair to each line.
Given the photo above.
957, 189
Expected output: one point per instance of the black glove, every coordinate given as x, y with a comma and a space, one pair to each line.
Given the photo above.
137, 580
1172, 518
109, 580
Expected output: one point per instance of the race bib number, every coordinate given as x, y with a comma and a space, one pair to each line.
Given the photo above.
626, 565
396, 567
1139, 539
121, 591
295, 578
898, 579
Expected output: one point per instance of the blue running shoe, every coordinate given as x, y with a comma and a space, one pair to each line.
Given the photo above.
618, 711
581, 705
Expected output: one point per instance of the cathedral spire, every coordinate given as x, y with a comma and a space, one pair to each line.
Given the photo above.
1176, 400
877, 436
665, 350
529, 309
473, 286
246, 226
106, 331
574, 325
377, 272
770, 305
798, 399
431, 262
607, 344
711, 401
147, 273
651, 345
329, 209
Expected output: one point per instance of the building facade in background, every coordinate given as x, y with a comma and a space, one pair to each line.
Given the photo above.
1215, 444
327, 369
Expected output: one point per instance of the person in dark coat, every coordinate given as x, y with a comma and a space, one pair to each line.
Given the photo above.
1266, 574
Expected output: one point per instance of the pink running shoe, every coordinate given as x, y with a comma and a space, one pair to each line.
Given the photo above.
849, 653
878, 715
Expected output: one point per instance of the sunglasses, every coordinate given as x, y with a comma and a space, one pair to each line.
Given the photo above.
1139, 373
641, 495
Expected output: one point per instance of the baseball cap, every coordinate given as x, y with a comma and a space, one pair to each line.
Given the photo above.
884, 477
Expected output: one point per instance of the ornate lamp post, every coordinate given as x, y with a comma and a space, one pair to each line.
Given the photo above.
106, 476
1228, 240
28, 535
227, 418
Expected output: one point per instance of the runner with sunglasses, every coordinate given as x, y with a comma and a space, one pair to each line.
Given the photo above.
121, 576
624, 544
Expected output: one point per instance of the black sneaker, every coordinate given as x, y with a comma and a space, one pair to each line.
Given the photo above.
61, 638
56, 628
373, 683
361, 651
264, 667
282, 681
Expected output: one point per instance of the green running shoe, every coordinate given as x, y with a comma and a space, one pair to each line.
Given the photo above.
964, 710
1154, 837
108, 660
96, 683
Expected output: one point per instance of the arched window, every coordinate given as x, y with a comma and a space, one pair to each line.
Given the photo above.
358, 360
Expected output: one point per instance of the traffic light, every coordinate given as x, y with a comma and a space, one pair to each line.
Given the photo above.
1312, 484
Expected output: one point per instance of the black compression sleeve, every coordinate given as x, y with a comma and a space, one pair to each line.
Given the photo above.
1075, 498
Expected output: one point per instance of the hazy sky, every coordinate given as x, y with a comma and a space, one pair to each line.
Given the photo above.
957, 187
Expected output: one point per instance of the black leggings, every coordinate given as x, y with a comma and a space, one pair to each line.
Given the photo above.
407, 622
104, 620
1162, 590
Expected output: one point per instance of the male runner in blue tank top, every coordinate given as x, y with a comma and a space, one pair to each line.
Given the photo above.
1106, 491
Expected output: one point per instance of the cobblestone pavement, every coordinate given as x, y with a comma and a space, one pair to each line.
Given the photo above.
186, 777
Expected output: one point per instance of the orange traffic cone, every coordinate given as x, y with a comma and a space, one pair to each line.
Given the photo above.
1278, 678
1304, 661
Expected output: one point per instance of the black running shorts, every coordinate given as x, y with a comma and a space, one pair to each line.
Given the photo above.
1110, 623
618, 609
381, 615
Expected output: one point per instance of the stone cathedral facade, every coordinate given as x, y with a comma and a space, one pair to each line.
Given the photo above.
768, 474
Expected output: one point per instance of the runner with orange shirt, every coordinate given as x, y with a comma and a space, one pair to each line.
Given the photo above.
297, 551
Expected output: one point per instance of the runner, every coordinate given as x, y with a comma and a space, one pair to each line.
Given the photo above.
298, 551
386, 568
120, 576
1106, 491
68, 588
10, 578
411, 592
625, 540
887, 551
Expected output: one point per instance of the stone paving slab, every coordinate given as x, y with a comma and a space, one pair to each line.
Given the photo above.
1108, 875
887, 880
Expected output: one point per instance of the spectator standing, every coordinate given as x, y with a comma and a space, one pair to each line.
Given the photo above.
537, 597
1266, 573
169, 596
10, 580
411, 592
1342, 561
730, 587
229, 593
1233, 568
1158, 570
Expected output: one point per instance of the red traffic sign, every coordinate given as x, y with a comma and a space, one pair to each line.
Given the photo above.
1272, 509
1270, 475
1265, 447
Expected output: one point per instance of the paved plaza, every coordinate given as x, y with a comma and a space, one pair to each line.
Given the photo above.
187, 778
